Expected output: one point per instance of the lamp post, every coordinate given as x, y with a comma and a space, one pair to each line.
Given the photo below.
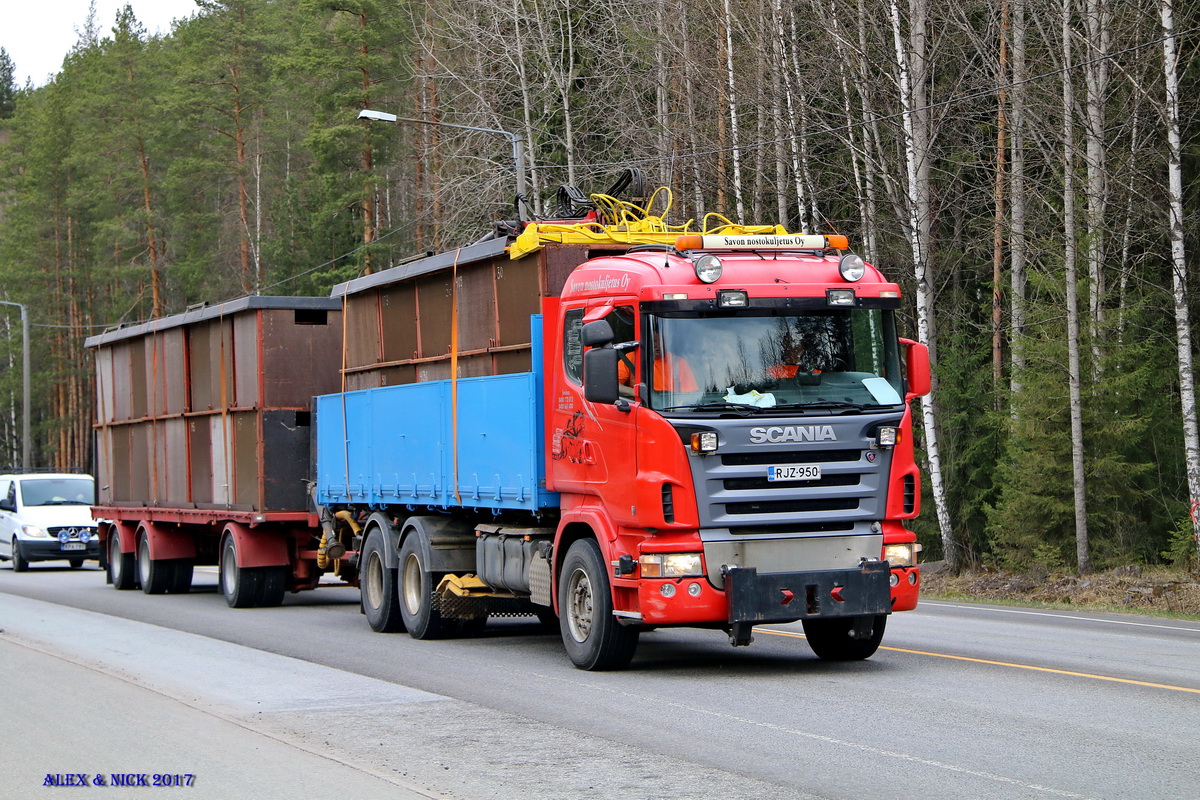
518, 144
26, 462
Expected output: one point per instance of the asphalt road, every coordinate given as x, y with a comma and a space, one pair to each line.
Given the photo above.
961, 701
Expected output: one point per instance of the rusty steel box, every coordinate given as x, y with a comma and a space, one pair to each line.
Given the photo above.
212, 408
399, 321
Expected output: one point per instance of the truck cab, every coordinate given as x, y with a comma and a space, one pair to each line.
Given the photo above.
730, 417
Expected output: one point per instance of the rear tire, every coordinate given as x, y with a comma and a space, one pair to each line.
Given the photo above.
422, 620
241, 586
378, 586
121, 566
20, 563
591, 634
274, 585
156, 575
830, 638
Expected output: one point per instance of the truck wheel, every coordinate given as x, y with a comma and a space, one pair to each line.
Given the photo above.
181, 583
156, 575
830, 638
242, 586
422, 620
274, 584
76, 563
377, 583
121, 566
20, 564
593, 637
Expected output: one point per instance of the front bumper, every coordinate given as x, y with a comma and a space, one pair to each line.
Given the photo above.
52, 549
791, 596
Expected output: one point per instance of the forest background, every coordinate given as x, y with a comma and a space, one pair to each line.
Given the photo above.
1026, 169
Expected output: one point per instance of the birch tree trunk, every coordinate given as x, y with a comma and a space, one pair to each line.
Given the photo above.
1016, 241
1082, 549
1098, 24
739, 202
999, 212
1187, 375
911, 60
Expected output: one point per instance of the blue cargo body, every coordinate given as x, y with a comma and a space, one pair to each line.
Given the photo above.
396, 445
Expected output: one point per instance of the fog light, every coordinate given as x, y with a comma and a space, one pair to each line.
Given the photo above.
86, 536
840, 297
729, 298
667, 590
912, 579
64, 537
894, 580
694, 589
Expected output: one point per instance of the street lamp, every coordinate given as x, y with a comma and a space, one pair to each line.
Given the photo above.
26, 461
518, 144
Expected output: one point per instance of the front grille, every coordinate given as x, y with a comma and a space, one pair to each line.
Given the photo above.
792, 506
758, 459
762, 484
794, 530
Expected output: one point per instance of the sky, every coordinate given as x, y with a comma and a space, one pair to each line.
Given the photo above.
38, 33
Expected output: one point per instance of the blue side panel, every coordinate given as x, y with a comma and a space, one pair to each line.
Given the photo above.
396, 445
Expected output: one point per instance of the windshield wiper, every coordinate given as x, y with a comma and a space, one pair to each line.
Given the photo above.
841, 404
719, 405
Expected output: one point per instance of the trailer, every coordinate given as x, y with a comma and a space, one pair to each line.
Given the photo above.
202, 445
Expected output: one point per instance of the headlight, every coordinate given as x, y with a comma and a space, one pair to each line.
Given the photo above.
851, 267
708, 268
34, 532
671, 565
902, 555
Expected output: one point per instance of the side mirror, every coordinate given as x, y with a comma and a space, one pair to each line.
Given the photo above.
600, 371
597, 334
917, 360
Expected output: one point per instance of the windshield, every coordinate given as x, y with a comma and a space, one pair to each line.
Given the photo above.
831, 358
57, 491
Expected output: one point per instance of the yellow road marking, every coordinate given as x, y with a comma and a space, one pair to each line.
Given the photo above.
1014, 666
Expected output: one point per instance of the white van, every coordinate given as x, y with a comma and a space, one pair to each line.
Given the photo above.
47, 516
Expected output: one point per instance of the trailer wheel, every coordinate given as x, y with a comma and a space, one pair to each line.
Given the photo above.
121, 566
377, 583
591, 634
242, 586
274, 584
830, 638
181, 583
157, 575
422, 620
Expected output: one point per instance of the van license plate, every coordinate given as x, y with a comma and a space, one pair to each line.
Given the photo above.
74, 546
794, 472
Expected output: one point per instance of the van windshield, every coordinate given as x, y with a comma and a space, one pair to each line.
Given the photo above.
57, 491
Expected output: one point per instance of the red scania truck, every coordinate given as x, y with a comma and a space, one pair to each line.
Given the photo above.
601, 419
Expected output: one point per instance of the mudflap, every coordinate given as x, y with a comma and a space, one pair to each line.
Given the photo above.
792, 596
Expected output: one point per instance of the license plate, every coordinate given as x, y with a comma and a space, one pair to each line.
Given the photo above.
74, 546
794, 472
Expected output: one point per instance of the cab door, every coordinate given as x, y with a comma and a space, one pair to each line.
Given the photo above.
594, 445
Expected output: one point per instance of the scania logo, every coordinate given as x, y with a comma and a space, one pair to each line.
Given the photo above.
792, 433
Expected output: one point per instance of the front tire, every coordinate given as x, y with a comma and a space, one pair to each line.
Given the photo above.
422, 620
378, 586
591, 634
20, 563
121, 566
830, 638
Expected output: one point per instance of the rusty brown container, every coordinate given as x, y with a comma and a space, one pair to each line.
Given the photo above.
399, 321
210, 409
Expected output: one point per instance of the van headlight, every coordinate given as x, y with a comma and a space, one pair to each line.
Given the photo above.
671, 565
34, 532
